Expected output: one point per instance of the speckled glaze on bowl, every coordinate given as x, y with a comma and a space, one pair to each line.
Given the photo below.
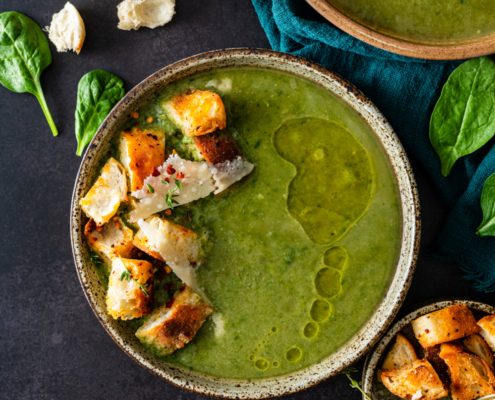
373, 361
399, 284
458, 50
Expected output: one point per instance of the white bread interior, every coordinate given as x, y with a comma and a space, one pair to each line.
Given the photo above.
67, 31
134, 14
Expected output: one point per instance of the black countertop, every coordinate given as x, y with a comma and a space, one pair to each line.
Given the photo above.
51, 345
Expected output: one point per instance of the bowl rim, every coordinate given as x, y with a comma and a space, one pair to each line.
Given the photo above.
482, 46
399, 284
374, 357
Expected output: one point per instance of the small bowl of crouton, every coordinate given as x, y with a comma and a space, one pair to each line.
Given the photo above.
444, 350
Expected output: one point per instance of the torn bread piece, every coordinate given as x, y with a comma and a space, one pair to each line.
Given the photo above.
217, 147
141, 152
178, 246
180, 181
134, 14
170, 328
477, 345
67, 30
141, 242
416, 380
129, 288
400, 355
110, 189
197, 112
111, 240
445, 325
470, 376
487, 325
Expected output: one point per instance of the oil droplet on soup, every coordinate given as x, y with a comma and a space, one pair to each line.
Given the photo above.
293, 354
321, 310
311, 330
261, 364
327, 282
336, 257
339, 170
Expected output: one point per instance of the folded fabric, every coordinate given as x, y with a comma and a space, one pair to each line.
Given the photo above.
405, 90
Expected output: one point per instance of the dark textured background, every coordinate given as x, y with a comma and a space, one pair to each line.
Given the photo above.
51, 345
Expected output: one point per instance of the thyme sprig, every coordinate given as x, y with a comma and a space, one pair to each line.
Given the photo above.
355, 384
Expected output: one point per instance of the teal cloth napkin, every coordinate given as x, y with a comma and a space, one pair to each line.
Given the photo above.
405, 90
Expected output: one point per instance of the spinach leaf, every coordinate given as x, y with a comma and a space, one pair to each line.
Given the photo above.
98, 91
464, 117
24, 54
487, 227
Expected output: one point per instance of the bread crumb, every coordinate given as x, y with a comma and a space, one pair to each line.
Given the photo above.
135, 14
66, 30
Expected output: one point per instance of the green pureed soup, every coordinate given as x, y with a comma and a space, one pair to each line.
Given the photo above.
301, 251
429, 21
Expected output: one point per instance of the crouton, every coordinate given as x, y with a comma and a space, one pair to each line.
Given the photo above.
170, 328
67, 30
110, 189
445, 325
487, 325
413, 380
134, 14
129, 288
477, 345
111, 240
197, 112
217, 147
141, 242
141, 152
401, 354
470, 376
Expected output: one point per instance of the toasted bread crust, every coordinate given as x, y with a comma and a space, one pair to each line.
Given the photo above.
141, 242
445, 325
477, 345
141, 151
487, 325
419, 376
217, 147
470, 376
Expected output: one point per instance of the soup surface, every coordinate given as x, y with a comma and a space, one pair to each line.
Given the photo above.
424, 20
300, 252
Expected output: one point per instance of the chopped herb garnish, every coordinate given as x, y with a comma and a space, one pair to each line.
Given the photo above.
125, 276
165, 182
355, 384
169, 199
151, 189
145, 292
178, 184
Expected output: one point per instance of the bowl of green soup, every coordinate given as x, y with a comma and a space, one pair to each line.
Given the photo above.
436, 30
305, 261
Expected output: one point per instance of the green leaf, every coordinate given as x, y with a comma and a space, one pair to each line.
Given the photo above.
464, 117
97, 92
487, 227
24, 54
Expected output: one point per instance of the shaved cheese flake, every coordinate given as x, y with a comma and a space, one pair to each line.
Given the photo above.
177, 245
229, 172
179, 182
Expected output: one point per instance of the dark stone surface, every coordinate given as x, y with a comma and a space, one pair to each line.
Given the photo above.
51, 346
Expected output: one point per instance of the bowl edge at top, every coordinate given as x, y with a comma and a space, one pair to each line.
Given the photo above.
400, 282
482, 46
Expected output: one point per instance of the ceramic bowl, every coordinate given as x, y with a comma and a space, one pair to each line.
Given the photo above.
374, 360
456, 50
399, 283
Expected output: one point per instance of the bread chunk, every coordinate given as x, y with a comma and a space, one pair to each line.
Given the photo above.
170, 328
477, 345
417, 380
129, 288
67, 30
487, 325
197, 112
134, 14
400, 355
217, 147
113, 239
445, 325
141, 152
470, 376
110, 189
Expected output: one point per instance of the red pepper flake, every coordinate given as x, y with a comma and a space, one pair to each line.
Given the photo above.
168, 211
155, 172
170, 169
180, 175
